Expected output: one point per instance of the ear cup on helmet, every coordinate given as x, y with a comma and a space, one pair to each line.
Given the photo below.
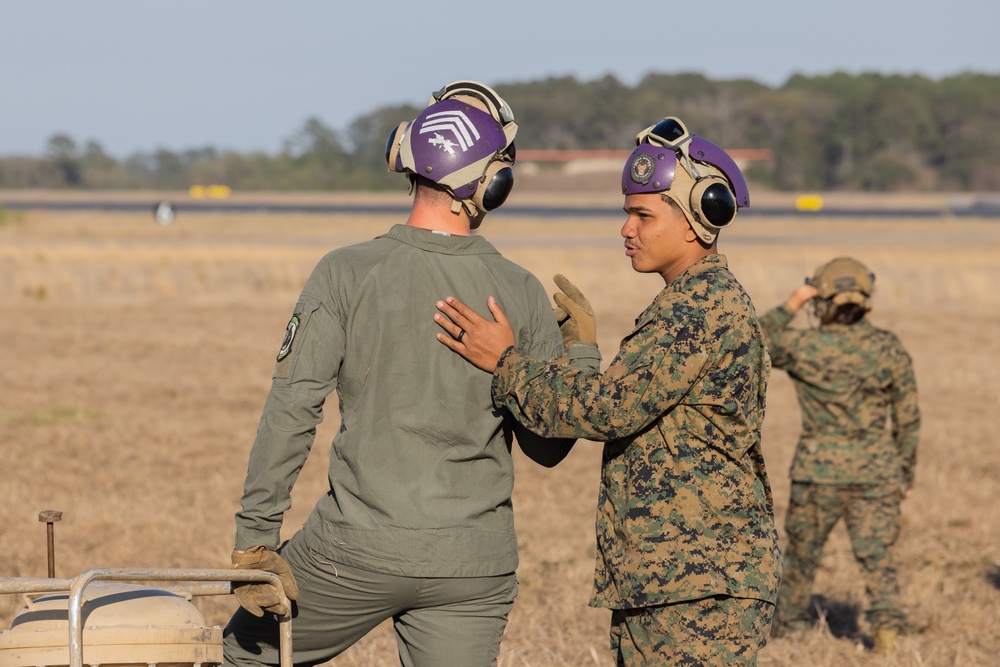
713, 202
392, 147
496, 184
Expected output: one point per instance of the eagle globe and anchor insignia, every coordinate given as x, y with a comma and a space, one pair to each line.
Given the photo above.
290, 330
641, 169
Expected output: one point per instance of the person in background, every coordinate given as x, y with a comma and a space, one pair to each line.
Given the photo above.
688, 557
417, 525
856, 455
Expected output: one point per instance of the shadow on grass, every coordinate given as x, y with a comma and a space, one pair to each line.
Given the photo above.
993, 576
841, 618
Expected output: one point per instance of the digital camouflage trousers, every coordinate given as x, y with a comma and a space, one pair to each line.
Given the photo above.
871, 514
718, 630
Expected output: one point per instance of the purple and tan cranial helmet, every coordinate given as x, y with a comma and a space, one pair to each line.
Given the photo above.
463, 140
709, 187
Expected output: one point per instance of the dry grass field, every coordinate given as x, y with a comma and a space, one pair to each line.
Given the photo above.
137, 358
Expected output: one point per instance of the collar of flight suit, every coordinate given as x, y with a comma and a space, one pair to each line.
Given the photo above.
432, 241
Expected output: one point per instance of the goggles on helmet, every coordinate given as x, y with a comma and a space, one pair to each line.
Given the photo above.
713, 200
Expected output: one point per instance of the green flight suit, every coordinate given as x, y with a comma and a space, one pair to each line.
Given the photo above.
420, 471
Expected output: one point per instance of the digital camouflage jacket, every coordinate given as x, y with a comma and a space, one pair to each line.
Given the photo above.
685, 509
858, 397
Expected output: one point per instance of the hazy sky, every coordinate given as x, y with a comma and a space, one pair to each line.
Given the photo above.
245, 74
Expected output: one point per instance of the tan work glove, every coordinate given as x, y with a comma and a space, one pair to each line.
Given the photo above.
573, 313
257, 598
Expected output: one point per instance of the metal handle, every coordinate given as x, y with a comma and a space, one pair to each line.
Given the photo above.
76, 587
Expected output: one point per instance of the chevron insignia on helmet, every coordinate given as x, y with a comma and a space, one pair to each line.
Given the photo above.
455, 123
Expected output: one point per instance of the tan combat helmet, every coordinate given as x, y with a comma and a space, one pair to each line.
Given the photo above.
844, 280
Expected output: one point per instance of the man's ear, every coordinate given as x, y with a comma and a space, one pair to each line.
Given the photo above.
690, 235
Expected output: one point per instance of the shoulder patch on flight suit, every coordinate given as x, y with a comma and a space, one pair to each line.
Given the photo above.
290, 330
293, 330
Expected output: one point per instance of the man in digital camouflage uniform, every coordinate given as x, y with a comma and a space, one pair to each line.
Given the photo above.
417, 524
856, 455
688, 557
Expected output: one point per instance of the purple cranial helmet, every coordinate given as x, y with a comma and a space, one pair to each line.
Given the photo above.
709, 186
649, 169
463, 140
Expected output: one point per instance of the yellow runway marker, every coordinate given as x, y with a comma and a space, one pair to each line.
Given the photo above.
808, 203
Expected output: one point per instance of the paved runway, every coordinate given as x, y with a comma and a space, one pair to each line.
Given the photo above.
977, 209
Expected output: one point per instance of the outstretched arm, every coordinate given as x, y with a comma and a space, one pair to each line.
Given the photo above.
482, 342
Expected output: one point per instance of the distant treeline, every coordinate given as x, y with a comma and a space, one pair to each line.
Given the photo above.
840, 132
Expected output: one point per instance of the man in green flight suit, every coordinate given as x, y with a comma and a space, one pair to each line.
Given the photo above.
417, 525
857, 452
688, 557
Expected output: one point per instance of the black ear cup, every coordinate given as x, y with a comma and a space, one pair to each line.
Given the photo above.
392, 147
497, 183
713, 202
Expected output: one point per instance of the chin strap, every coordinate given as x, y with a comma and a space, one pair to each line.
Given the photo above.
458, 204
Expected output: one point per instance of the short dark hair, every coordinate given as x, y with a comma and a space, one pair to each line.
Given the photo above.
428, 190
845, 313
673, 204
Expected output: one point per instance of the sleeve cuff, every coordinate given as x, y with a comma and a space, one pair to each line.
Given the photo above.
585, 356
248, 537
501, 375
